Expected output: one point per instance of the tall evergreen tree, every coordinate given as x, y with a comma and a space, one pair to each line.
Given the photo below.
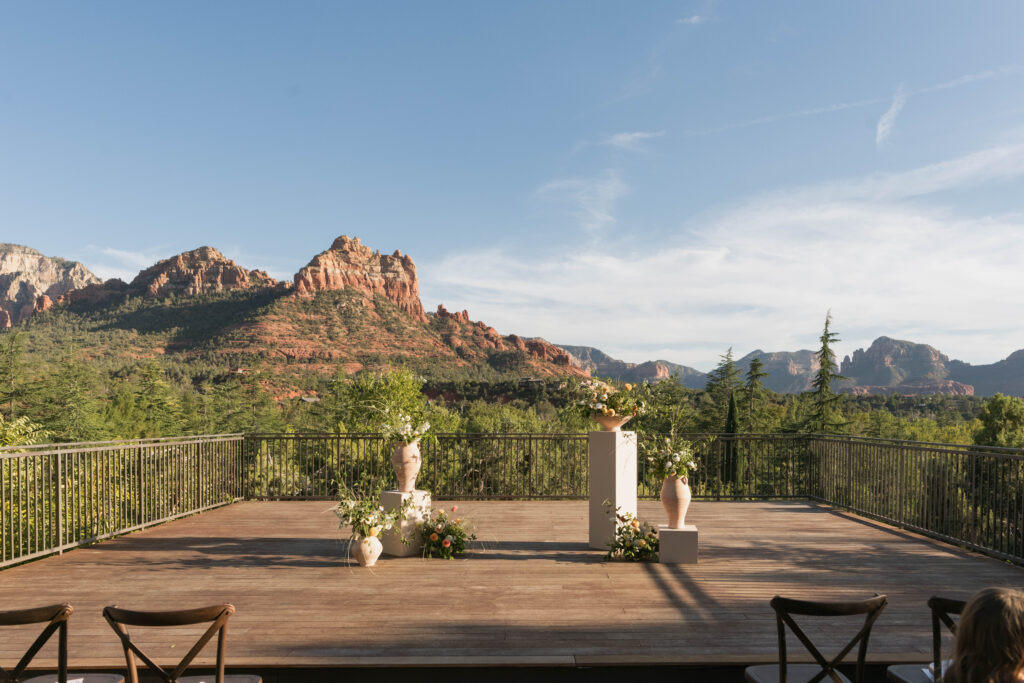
722, 382
732, 451
754, 391
826, 416
12, 349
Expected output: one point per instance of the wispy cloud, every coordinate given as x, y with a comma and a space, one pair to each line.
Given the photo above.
631, 141
967, 79
814, 111
887, 123
592, 200
762, 273
111, 262
692, 20
987, 75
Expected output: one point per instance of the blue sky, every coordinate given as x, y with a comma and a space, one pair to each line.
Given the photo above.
659, 180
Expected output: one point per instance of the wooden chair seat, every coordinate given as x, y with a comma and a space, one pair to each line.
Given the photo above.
78, 678
228, 678
795, 673
909, 673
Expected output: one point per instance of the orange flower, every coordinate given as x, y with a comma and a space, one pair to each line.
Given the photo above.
454, 508
458, 520
446, 543
433, 537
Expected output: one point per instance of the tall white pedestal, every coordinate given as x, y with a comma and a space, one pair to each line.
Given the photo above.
417, 512
612, 478
677, 546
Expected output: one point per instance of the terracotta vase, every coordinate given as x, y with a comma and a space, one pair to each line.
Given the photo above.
675, 498
611, 423
407, 461
366, 550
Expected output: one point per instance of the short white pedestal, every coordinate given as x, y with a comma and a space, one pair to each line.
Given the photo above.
417, 512
677, 546
612, 478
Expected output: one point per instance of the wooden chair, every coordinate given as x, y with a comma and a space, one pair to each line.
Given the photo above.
943, 610
56, 619
785, 608
119, 619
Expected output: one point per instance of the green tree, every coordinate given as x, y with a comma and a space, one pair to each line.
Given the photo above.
157, 405
12, 350
825, 417
754, 393
722, 382
20, 432
1002, 422
70, 401
732, 453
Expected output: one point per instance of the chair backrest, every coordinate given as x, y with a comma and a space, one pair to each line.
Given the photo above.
56, 619
785, 608
942, 609
119, 619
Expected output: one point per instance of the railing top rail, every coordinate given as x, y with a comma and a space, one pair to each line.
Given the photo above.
103, 446
929, 445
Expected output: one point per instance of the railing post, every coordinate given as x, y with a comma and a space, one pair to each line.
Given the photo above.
60, 503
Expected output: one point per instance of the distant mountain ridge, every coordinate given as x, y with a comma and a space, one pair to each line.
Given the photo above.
600, 364
887, 366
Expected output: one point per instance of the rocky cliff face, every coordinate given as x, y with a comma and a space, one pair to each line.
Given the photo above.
31, 282
789, 372
198, 271
349, 263
892, 362
477, 339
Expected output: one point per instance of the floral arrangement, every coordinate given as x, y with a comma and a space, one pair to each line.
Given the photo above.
670, 457
601, 397
444, 536
634, 540
400, 427
366, 517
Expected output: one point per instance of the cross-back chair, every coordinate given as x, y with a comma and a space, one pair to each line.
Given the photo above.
56, 619
824, 668
217, 615
943, 611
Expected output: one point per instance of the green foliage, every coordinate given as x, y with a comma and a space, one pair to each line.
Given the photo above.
754, 393
21, 432
365, 402
443, 536
826, 416
634, 540
1002, 422
723, 381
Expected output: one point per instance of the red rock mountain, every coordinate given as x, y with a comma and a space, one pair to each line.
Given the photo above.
31, 282
349, 263
199, 271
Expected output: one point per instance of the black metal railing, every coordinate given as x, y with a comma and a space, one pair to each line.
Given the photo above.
58, 496
968, 495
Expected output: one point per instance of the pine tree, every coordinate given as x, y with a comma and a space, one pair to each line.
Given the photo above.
12, 348
733, 454
826, 416
754, 390
722, 382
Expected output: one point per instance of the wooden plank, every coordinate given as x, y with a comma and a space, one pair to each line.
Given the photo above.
529, 593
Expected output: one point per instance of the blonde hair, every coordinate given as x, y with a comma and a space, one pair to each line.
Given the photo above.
990, 639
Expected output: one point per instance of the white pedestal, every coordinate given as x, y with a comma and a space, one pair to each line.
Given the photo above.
612, 478
417, 512
677, 546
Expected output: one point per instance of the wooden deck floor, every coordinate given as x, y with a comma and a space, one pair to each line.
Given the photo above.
530, 592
